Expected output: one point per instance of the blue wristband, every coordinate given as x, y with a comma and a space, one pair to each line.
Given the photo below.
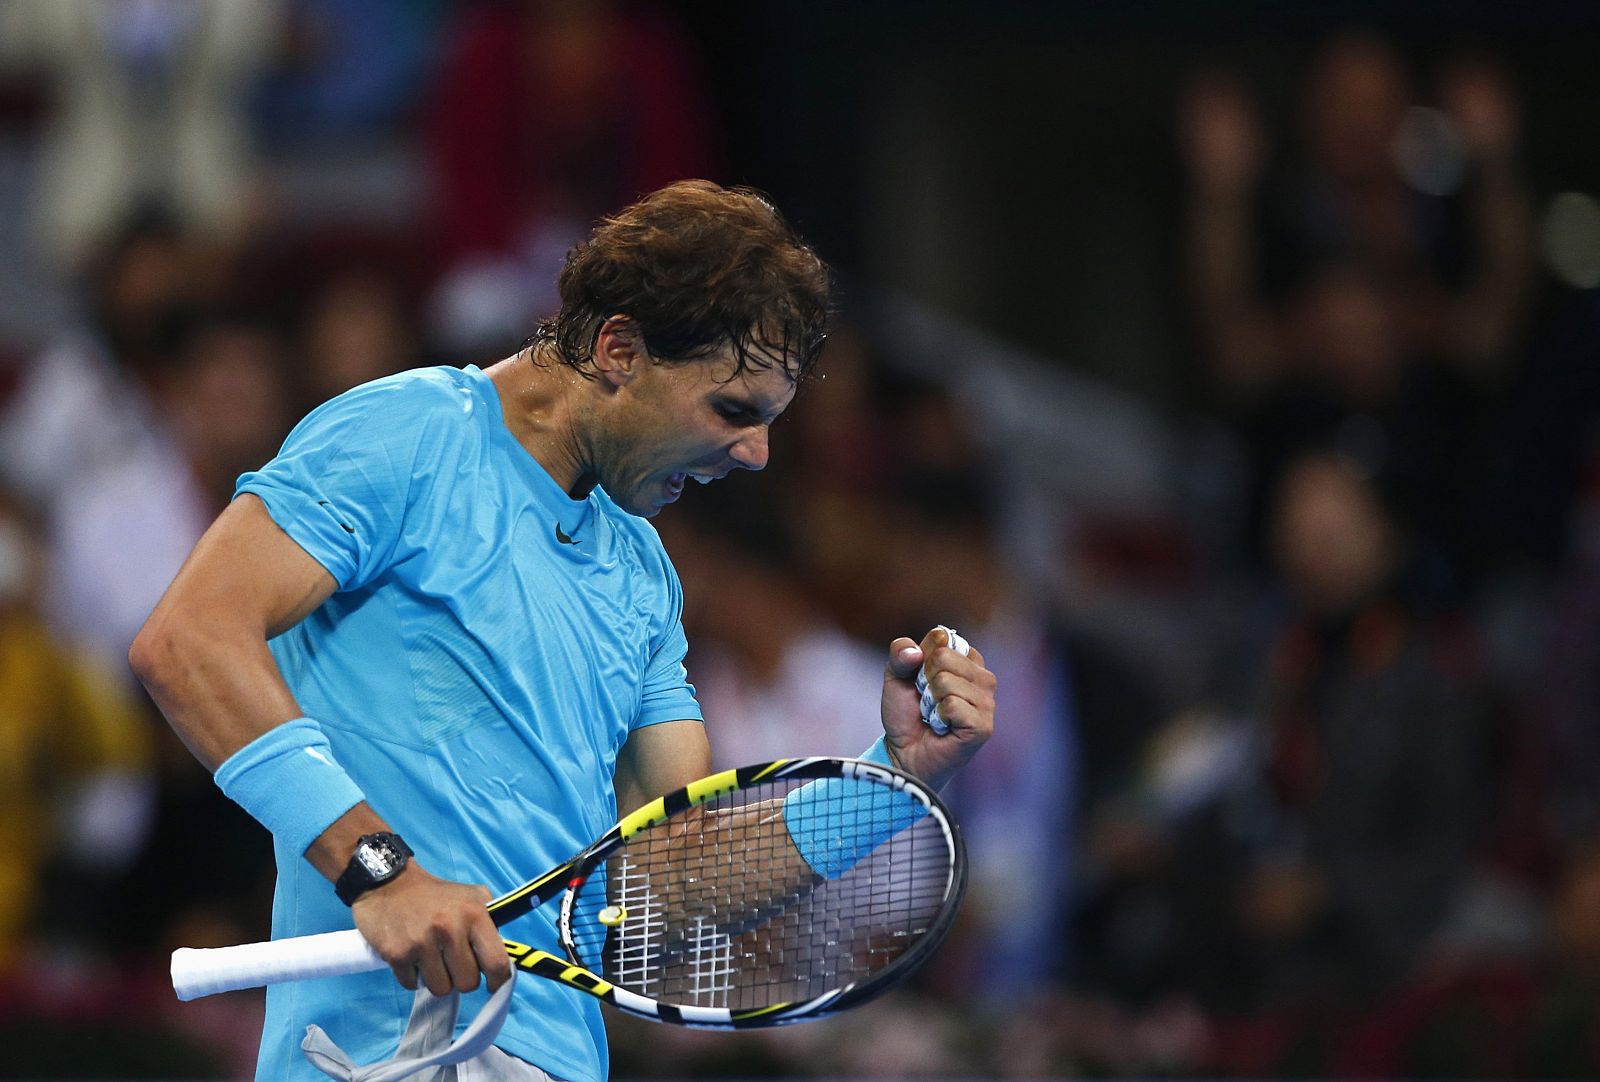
288, 779
878, 753
836, 825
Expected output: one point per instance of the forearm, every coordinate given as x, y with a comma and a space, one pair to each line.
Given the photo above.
223, 695
203, 656
736, 894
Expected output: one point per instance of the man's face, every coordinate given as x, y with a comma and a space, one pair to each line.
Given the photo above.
693, 419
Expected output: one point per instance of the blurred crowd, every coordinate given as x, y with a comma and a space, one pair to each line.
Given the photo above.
1350, 826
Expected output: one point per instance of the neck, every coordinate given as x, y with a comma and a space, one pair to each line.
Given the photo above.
543, 401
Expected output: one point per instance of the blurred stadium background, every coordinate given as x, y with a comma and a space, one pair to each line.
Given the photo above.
1229, 372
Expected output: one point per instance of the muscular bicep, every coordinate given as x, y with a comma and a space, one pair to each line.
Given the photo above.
246, 568
659, 758
203, 652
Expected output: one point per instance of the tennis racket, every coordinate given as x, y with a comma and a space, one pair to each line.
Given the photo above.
753, 897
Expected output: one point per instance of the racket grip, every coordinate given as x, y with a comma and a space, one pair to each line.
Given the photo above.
205, 972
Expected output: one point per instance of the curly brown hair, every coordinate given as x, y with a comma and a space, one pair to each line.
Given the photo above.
696, 267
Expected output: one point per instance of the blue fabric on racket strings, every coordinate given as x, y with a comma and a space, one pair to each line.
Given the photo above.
834, 831
930, 705
289, 780
835, 825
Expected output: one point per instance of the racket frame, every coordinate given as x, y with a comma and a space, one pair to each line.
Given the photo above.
203, 972
569, 877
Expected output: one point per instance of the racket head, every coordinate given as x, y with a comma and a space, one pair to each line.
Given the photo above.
698, 909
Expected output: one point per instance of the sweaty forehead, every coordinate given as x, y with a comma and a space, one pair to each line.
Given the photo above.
767, 390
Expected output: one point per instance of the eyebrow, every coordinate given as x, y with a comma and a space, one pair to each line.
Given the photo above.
750, 407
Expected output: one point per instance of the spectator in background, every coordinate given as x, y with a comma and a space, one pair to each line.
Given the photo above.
841, 453
548, 114
76, 787
119, 532
1355, 387
1375, 753
224, 401
1076, 711
1540, 1004
777, 677
355, 329
82, 438
1565, 691
1429, 204
346, 71
1373, 300
84, 403
841, 440
150, 108
1323, 869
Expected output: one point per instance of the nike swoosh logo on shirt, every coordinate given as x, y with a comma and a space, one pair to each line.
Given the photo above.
347, 527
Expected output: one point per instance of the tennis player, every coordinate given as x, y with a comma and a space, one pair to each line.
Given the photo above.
435, 645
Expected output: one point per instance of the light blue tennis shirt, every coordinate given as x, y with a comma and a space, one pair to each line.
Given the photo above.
491, 645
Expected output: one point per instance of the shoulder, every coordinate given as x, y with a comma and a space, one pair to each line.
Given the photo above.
425, 390
394, 407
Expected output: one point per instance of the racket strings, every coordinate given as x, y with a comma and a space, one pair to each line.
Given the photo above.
717, 907
640, 933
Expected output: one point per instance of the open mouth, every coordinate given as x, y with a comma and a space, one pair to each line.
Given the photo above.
678, 481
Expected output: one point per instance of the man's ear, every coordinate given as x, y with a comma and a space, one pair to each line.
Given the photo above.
619, 351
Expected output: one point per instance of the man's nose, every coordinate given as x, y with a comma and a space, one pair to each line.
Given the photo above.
750, 453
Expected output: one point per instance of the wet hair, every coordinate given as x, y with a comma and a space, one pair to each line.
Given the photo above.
695, 267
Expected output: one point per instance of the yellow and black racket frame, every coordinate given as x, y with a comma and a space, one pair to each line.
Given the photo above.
569, 877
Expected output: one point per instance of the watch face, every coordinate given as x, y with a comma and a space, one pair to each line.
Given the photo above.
378, 861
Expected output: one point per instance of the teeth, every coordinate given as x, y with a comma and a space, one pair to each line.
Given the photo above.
702, 480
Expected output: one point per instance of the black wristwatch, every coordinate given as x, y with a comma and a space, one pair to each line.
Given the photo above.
378, 858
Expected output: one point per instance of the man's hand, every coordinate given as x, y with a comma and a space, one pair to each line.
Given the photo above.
965, 690
435, 931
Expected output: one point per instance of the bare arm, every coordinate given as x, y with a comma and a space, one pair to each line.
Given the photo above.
203, 653
658, 759
661, 758
203, 657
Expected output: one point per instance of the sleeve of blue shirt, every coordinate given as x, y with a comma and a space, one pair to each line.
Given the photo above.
668, 695
340, 484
